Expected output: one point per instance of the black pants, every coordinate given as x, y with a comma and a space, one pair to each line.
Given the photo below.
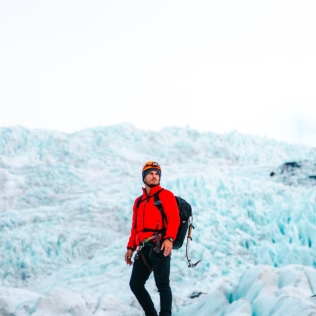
140, 274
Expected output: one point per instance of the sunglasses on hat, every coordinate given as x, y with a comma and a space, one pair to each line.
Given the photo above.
152, 164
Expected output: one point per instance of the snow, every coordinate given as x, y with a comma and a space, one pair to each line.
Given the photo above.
65, 216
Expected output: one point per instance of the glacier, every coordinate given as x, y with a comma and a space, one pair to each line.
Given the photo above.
65, 216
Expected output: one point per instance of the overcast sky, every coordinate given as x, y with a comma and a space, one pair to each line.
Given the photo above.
211, 65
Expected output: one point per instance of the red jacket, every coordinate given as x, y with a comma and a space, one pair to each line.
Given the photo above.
148, 216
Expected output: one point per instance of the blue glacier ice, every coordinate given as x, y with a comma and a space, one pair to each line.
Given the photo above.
65, 216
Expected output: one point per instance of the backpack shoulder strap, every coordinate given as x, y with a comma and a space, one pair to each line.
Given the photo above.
158, 204
139, 200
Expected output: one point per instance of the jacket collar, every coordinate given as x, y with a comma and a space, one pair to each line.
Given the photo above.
153, 190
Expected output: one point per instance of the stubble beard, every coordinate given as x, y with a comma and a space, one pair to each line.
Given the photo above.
151, 185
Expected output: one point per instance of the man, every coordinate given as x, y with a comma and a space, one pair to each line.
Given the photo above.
148, 222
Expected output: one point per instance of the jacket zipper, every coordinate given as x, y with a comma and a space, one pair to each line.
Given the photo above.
145, 201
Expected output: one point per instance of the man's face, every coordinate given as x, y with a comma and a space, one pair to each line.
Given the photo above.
152, 178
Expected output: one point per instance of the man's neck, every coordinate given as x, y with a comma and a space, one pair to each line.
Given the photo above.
148, 189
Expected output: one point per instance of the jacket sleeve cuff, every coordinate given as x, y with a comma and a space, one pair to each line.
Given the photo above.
130, 248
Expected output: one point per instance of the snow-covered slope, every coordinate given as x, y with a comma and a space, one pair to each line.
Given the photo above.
65, 215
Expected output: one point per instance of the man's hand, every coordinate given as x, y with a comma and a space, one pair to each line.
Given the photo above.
128, 257
167, 244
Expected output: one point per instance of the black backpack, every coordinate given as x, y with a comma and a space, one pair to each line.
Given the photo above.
185, 212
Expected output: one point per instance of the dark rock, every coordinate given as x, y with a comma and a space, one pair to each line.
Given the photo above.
196, 294
296, 173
